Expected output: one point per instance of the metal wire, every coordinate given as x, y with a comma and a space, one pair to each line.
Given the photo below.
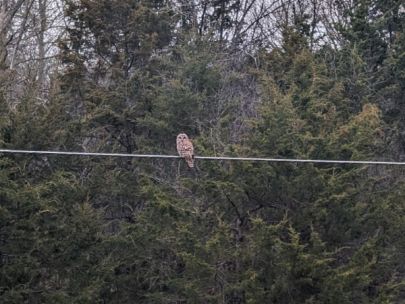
289, 160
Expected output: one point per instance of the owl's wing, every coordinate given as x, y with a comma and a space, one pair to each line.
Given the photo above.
189, 148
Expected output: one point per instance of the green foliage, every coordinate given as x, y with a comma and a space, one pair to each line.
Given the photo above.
49, 239
117, 230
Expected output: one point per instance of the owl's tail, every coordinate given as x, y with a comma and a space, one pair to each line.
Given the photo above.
190, 161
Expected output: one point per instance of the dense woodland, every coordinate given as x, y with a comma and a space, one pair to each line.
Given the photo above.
313, 79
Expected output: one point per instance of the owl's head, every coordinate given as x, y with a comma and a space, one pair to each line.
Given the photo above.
182, 137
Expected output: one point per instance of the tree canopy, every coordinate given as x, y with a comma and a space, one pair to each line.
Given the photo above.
251, 78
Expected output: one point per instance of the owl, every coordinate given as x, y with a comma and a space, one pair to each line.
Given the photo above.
185, 149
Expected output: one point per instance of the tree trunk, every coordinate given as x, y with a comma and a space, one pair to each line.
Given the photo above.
41, 41
7, 14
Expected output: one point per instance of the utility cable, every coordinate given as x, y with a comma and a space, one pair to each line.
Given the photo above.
285, 160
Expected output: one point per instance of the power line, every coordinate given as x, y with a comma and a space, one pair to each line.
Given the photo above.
286, 160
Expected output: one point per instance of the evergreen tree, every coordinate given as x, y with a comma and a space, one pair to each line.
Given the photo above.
135, 74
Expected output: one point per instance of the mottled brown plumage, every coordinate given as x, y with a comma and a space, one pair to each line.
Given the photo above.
185, 149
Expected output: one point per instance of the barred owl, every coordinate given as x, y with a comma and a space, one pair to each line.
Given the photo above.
185, 149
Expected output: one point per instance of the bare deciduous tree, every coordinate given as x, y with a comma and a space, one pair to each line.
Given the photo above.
29, 33
8, 10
